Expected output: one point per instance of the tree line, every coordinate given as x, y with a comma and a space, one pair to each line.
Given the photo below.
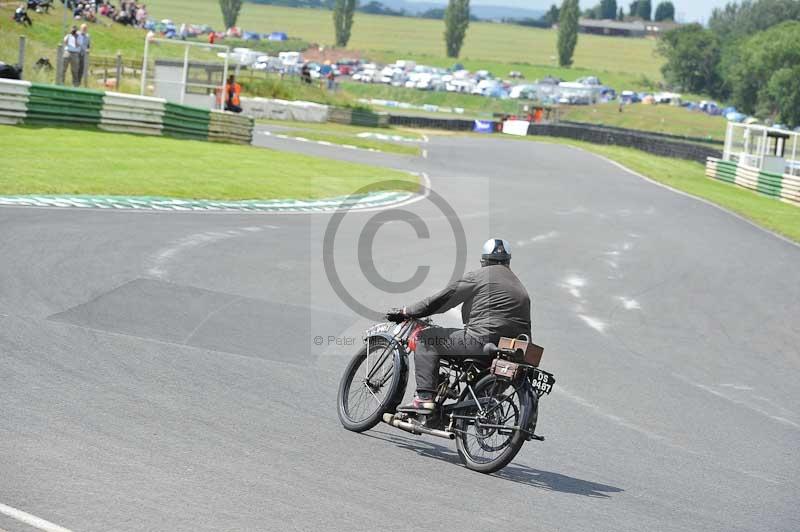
609, 10
749, 55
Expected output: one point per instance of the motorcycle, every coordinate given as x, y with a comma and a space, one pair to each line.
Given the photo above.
488, 405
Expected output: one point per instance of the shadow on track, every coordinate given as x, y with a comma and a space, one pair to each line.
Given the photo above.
518, 473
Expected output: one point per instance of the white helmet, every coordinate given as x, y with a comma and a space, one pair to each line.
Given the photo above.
496, 251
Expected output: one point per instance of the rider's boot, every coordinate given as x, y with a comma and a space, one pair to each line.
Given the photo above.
423, 403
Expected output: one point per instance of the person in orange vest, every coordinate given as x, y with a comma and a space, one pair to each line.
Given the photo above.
232, 92
212, 37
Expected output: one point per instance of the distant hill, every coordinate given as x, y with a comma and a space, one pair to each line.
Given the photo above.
485, 12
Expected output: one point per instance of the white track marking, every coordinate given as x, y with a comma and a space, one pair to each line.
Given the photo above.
747, 404
682, 193
537, 238
32, 520
573, 284
163, 257
424, 154
629, 304
594, 323
622, 422
426, 183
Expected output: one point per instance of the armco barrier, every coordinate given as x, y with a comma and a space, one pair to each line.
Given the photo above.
14, 102
656, 144
32, 103
638, 140
785, 187
685, 138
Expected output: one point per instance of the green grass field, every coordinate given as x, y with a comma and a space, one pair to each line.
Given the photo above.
69, 161
690, 177
497, 47
659, 118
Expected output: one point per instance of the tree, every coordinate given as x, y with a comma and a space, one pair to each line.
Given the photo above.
551, 17
567, 31
735, 21
764, 78
230, 11
436, 13
643, 9
780, 99
621, 14
343, 20
608, 9
693, 56
664, 11
633, 8
592, 13
456, 21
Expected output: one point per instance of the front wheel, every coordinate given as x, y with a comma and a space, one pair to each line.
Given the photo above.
488, 437
369, 385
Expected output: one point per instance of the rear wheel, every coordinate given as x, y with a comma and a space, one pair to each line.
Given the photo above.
369, 385
488, 441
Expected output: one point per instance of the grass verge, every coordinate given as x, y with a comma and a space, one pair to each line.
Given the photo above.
689, 176
349, 135
657, 118
82, 161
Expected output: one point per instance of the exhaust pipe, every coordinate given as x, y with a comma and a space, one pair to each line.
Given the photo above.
415, 428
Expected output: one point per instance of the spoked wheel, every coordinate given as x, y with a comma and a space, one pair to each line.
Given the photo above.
369, 385
487, 441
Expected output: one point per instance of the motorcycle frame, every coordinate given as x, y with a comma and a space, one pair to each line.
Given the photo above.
397, 344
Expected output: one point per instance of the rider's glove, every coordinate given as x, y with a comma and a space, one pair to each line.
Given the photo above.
396, 315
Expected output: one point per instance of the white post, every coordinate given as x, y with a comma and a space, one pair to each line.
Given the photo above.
746, 145
223, 96
185, 76
144, 67
726, 154
763, 149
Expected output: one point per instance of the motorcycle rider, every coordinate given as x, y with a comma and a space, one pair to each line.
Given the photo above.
494, 304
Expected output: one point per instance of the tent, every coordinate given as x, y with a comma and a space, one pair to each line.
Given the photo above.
277, 36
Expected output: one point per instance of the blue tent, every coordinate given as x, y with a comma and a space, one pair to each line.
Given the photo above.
277, 36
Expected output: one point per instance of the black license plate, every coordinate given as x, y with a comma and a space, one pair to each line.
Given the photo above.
542, 381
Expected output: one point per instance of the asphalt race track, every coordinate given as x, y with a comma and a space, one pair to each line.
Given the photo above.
159, 370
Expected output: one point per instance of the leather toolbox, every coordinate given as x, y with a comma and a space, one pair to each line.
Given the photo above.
531, 353
505, 368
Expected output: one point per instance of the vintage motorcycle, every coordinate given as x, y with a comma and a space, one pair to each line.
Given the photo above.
489, 405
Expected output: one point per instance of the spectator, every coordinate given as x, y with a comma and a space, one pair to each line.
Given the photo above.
212, 37
331, 80
305, 73
232, 92
141, 15
73, 55
85, 44
21, 16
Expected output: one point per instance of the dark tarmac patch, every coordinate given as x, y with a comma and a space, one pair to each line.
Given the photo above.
206, 319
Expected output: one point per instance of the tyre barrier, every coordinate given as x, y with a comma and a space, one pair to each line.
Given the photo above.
785, 187
357, 117
427, 122
22, 102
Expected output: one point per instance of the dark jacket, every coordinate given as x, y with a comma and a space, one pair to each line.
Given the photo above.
494, 303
